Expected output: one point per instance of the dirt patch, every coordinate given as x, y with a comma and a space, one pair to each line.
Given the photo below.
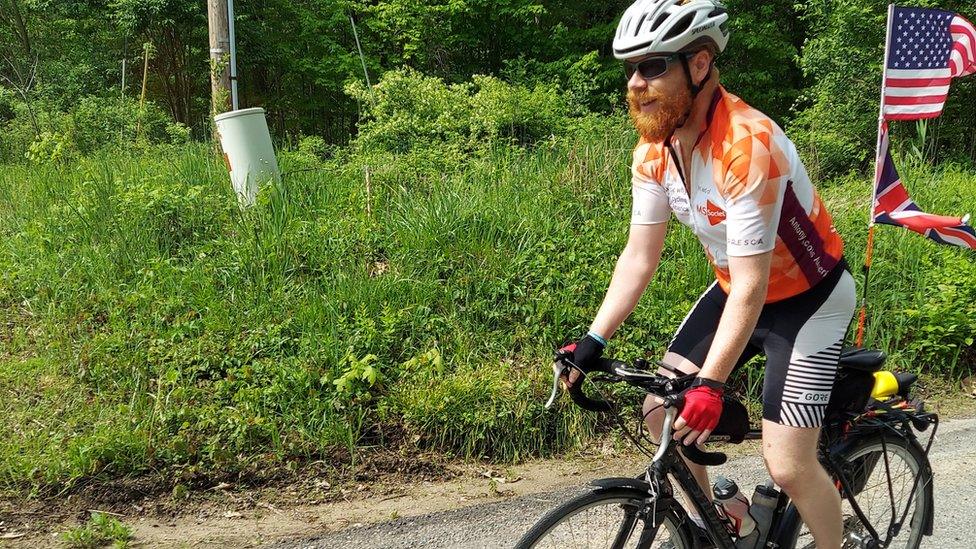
191, 508
238, 516
228, 517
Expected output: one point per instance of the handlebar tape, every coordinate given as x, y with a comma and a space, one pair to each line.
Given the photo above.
585, 402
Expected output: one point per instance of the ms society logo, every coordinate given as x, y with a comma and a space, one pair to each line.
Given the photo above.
713, 213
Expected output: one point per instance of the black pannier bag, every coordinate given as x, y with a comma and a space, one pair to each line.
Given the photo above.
852, 390
734, 421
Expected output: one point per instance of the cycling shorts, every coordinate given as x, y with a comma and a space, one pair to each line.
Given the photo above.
800, 336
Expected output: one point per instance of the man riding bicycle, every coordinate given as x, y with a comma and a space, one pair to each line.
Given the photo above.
782, 288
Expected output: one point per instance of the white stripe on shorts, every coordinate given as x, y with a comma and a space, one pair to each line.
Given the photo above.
813, 363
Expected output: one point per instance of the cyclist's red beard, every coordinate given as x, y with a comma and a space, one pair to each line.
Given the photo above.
671, 110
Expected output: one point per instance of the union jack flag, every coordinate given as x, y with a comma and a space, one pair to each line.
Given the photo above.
893, 206
926, 50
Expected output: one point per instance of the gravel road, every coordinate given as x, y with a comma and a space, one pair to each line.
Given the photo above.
497, 525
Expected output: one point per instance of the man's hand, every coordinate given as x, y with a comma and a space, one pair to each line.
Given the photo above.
700, 415
585, 354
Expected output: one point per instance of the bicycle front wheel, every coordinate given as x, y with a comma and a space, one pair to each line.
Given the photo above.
881, 474
607, 518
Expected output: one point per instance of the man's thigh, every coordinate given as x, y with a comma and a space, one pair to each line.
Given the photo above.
693, 338
785, 445
802, 355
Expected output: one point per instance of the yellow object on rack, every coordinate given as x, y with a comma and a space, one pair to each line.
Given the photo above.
885, 385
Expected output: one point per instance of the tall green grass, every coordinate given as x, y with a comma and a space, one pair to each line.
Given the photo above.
149, 324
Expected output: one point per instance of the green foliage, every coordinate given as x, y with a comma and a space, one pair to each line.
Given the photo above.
53, 148
842, 59
358, 376
175, 333
814, 67
587, 82
946, 320
495, 409
92, 123
760, 62
413, 112
101, 530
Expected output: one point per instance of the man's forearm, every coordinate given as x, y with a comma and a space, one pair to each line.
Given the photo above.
630, 279
735, 327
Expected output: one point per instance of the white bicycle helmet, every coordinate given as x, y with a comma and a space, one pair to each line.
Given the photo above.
670, 26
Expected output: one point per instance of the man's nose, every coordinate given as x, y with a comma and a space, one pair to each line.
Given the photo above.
636, 82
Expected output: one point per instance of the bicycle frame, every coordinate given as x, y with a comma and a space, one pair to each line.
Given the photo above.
667, 461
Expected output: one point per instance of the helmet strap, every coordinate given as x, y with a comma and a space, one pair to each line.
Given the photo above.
694, 88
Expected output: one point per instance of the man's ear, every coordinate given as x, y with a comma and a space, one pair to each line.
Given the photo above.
701, 63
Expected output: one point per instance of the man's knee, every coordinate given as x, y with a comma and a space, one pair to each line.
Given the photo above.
787, 474
791, 456
793, 473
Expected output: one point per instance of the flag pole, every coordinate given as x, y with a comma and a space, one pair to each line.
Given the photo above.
869, 252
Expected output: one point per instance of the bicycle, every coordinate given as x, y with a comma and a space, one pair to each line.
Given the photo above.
868, 445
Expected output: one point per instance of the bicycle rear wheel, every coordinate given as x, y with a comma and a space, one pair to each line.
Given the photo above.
869, 476
607, 518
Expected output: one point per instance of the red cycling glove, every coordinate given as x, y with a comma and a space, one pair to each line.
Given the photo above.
703, 407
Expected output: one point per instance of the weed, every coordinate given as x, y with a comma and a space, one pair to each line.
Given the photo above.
101, 530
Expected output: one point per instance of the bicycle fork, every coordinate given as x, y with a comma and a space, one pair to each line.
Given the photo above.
667, 461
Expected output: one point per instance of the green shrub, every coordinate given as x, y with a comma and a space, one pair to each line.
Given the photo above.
53, 148
413, 112
91, 124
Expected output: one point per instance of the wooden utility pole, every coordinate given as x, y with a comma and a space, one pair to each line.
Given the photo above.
219, 56
146, 50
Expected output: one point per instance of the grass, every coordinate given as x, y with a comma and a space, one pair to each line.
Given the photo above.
100, 530
150, 326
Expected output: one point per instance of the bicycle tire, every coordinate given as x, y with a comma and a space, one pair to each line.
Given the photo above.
675, 521
868, 451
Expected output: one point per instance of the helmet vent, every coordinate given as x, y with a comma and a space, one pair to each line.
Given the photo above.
680, 27
624, 25
637, 27
716, 12
657, 22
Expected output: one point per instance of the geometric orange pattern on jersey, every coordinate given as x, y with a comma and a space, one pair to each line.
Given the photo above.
757, 172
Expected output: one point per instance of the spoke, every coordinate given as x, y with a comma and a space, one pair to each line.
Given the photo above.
603, 524
884, 472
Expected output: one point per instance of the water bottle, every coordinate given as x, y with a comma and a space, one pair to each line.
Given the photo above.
735, 506
764, 501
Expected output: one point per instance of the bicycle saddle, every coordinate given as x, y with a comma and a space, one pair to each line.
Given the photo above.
866, 360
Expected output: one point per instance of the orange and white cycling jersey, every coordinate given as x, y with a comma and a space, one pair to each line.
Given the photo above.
748, 193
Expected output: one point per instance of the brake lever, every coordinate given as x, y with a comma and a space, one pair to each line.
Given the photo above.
558, 369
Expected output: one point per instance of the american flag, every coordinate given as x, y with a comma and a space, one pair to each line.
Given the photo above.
893, 206
926, 49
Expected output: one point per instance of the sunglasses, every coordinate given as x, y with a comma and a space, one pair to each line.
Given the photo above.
652, 67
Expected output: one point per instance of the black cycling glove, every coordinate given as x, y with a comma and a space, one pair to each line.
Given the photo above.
586, 353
